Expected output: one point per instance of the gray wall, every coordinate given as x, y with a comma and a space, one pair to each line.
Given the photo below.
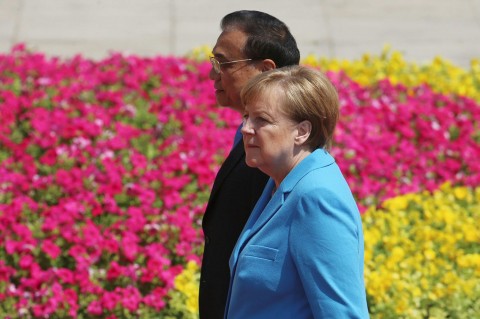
421, 29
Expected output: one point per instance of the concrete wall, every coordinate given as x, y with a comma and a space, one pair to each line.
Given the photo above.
421, 29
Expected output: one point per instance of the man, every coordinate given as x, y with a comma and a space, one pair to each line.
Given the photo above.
251, 42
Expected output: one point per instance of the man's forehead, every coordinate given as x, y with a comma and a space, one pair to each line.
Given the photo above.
230, 44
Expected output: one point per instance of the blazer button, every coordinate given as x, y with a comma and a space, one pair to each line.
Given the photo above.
207, 240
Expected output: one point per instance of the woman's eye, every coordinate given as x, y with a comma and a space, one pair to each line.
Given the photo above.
255, 120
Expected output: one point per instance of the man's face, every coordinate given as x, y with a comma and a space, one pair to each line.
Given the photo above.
232, 77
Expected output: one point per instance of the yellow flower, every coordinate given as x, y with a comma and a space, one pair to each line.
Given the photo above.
187, 283
416, 292
447, 215
200, 53
401, 305
441, 75
469, 260
397, 254
416, 253
460, 192
429, 253
424, 283
468, 287
396, 203
449, 278
311, 60
471, 233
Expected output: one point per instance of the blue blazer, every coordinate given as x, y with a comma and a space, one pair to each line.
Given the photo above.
300, 254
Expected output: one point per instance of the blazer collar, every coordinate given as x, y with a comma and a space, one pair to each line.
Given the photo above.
318, 159
235, 155
264, 210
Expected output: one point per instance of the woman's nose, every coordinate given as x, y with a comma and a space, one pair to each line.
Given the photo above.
247, 128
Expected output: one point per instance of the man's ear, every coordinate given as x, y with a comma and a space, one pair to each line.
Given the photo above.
267, 65
304, 129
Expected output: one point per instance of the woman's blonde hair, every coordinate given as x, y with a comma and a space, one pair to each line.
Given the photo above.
307, 95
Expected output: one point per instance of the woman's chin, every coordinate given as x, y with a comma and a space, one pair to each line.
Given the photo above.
251, 162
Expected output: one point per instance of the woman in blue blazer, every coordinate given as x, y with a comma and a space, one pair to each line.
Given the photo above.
300, 254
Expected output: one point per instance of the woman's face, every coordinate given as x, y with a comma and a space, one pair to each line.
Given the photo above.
269, 136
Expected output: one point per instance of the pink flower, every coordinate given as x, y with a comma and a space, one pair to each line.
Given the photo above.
156, 298
131, 298
95, 308
114, 271
65, 275
6, 271
109, 299
26, 261
130, 246
51, 249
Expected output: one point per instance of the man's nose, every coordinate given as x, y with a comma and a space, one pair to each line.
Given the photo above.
212, 75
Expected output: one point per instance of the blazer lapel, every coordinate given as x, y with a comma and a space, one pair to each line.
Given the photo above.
270, 209
257, 211
263, 212
236, 154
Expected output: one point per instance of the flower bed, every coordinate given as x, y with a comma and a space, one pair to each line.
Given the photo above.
105, 170
441, 75
106, 166
393, 140
422, 255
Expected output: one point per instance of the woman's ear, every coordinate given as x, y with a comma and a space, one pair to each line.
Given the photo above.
304, 129
268, 64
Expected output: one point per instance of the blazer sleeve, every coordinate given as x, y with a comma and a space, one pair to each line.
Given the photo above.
326, 244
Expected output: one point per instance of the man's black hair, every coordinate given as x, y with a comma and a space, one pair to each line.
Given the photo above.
267, 37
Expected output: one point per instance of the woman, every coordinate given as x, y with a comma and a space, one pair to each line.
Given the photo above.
300, 254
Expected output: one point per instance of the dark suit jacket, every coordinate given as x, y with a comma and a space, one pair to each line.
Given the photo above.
235, 192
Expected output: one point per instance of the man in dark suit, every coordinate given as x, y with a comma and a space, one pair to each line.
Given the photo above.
251, 42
